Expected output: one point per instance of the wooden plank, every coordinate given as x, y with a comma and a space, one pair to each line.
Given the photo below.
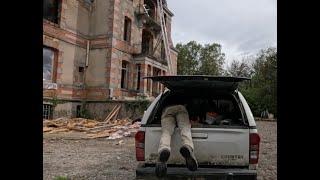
80, 129
113, 114
114, 108
100, 128
47, 129
116, 115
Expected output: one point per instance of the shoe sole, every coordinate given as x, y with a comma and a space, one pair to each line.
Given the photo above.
161, 169
190, 162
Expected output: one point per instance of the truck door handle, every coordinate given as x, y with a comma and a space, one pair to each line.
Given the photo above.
199, 136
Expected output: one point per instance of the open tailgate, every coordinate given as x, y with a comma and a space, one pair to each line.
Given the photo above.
199, 81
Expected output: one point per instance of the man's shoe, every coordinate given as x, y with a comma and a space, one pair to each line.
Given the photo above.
161, 169
191, 162
161, 165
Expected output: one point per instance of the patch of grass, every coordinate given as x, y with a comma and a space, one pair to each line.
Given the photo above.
61, 178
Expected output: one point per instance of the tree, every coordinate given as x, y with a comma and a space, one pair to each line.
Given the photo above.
193, 58
240, 69
262, 94
211, 59
188, 58
208, 59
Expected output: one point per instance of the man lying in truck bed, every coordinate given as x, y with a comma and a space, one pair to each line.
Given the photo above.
225, 138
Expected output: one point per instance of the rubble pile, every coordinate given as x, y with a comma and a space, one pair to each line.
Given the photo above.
112, 129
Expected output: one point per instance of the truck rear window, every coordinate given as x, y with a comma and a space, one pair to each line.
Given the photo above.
205, 109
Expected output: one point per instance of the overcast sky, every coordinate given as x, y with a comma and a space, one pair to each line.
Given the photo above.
240, 26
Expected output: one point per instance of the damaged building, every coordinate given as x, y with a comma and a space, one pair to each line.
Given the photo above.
97, 51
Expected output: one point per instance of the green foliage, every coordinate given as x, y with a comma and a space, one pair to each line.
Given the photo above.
194, 58
239, 69
188, 58
140, 105
208, 59
211, 60
85, 113
61, 178
55, 101
137, 107
261, 94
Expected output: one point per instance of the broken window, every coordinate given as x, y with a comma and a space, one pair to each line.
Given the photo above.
127, 29
147, 42
138, 76
81, 69
51, 10
48, 64
47, 111
124, 75
81, 74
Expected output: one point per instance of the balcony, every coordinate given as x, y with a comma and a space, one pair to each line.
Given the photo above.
150, 57
148, 48
147, 15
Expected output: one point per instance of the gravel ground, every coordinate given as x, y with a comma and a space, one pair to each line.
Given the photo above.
67, 155
268, 151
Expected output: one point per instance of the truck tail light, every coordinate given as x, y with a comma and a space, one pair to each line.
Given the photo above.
254, 148
139, 137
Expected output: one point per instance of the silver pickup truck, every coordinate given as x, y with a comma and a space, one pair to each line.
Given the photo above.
228, 150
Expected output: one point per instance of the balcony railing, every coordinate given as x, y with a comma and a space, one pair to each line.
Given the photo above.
146, 20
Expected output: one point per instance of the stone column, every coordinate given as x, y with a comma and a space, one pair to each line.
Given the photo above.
143, 82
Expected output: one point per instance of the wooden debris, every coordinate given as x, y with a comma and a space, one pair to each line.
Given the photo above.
59, 130
100, 128
47, 129
120, 142
117, 112
113, 128
113, 113
48, 123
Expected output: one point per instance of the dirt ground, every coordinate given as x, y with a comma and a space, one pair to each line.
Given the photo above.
67, 155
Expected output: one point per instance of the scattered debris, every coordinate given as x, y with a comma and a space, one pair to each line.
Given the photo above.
110, 129
124, 168
47, 129
120, 142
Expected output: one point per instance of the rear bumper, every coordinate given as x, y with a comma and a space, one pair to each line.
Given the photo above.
203, 173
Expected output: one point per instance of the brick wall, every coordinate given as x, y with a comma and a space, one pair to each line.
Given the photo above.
102, 24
